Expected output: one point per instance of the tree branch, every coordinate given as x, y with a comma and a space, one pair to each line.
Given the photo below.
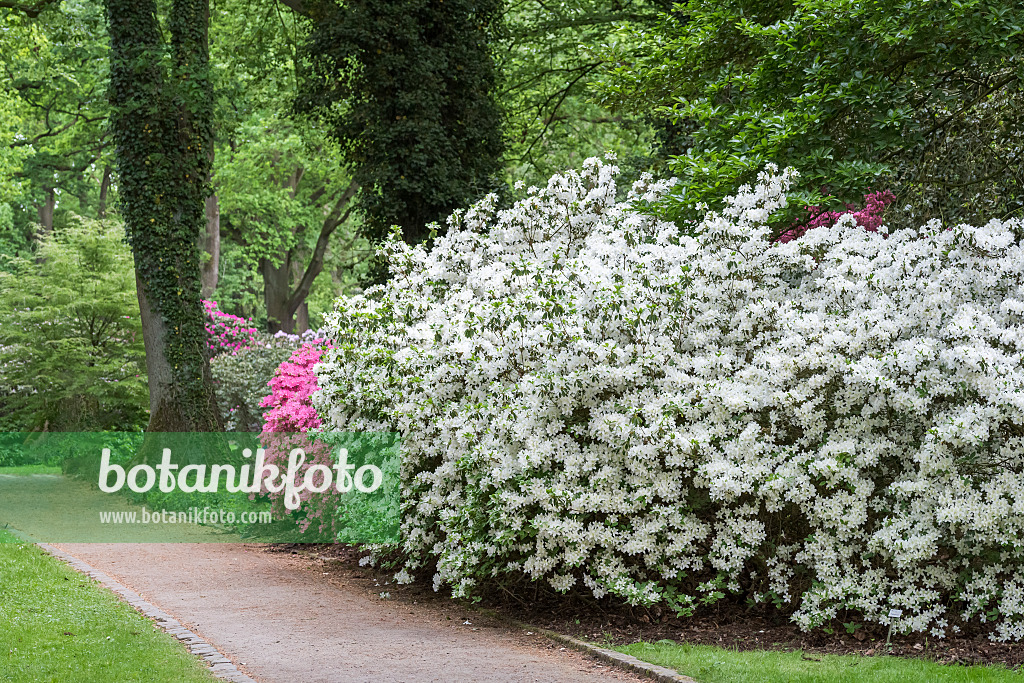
30, 11
1002, 83
561, 96
316, 263
297, 6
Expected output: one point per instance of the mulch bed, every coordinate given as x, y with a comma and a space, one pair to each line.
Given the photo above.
733, 626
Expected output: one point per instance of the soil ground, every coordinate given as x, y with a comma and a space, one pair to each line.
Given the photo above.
732, 626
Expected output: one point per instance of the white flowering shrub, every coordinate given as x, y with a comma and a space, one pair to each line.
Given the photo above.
589, 395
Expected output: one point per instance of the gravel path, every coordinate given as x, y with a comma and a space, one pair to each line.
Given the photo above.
277, 616
280, 619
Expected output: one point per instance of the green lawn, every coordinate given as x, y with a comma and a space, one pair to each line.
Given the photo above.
58, 625
30, 469
709, 664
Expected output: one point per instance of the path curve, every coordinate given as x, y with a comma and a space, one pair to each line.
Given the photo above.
279, 619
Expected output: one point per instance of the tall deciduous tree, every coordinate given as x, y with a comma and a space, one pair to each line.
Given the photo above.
59, 73
161, 124
407, 88
923, 96
285, 197
284, 202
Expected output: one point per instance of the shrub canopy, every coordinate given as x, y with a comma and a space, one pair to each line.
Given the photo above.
589, 395
71, 348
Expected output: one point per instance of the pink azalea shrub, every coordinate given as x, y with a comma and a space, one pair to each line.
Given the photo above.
228, 333
294, 382
869, 217
290, 415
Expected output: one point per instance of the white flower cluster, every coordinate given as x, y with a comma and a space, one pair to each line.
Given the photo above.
589, 394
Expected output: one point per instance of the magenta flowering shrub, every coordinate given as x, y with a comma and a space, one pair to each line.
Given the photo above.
294, 382
290, 415
869, 217
227, 332
242, 376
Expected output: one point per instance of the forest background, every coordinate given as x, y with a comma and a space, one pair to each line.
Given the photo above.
329, 123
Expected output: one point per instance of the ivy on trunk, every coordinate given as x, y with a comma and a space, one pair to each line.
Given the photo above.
161, 124
406, 87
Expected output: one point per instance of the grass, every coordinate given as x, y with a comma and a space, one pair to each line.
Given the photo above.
30, 469
58, 625
709, 664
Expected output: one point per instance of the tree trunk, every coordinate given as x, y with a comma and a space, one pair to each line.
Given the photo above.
284, 303
165, 414
161, 124
302, 310
211, 246
46, 209
101, 209
276, 293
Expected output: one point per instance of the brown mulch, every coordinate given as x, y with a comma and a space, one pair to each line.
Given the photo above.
734, 626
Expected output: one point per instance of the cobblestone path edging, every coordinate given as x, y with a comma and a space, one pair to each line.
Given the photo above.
220, 666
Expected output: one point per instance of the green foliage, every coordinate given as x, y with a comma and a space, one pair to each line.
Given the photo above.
259, 205
241, 381
406, 88
57, 75
17, 39
258, 148
70, 339
282, 192
239, 287
854, 95
13, 242
548, 56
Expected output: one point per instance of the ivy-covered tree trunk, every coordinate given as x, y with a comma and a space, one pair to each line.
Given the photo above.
407, 87
161, 124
